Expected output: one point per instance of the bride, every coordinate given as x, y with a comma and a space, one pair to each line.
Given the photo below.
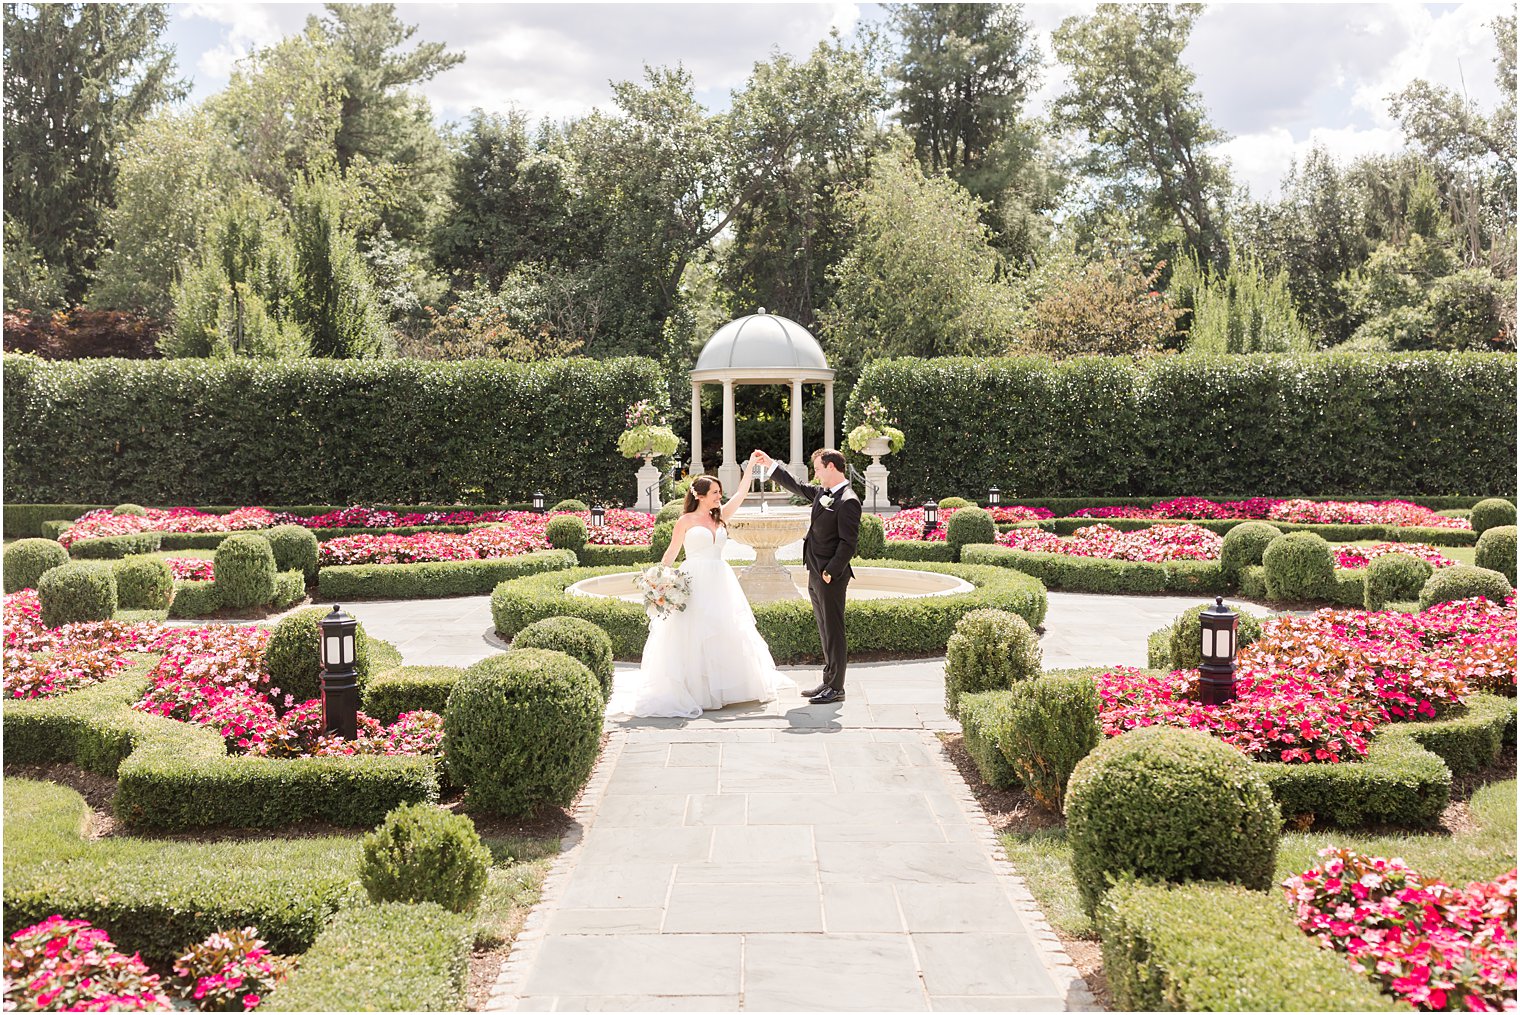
710, 654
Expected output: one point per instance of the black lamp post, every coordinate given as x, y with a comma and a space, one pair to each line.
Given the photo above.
994, 497
340, 674
931, 516
598, 516
538, 501
1216, 676
675, 468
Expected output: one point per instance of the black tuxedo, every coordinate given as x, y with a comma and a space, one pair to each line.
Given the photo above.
827, 549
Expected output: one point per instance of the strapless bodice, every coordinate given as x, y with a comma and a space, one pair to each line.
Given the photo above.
704, 544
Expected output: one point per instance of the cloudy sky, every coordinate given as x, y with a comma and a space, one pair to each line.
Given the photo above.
1276, 77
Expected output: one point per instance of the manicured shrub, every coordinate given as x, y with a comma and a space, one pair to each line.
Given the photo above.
143, 583
289, 589
245, 569
991, 650
1463, 582
522, 730
983, 716
566, 532
1496, 551
592, 555
570, 504
116, 547
1394, 576
194, 599
27, 559
1491, 513
1065, 572
967, 526
295, 549
1050, 725
294, 656
422, 853
1299, 567
130, 509
408, 689
659, 541
435, 579
871, 544
946, 503
1171, 805
75, 592
579, 639
1244, 545
670, 512
1187, 637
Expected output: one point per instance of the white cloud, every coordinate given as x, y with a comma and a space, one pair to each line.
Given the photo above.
247, 27
1259, 160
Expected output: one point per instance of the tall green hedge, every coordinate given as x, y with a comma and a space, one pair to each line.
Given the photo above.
340, 431
1342, 423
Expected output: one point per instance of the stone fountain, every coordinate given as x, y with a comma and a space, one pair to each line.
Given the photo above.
765, 532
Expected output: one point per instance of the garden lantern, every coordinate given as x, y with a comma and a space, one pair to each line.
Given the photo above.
598, 516
994, 497
538, 501
675, 468
931, 516
1216, 676
340, 673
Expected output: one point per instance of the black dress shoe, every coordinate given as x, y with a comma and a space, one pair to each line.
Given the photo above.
814, 692
828, 697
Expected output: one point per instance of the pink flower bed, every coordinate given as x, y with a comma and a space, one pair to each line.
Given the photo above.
1017, 513
358, 517
42, 662
1157, 543
97, 524
517, 532
1387, 512
1314, 689
1437, 947
1361, 556
195, 569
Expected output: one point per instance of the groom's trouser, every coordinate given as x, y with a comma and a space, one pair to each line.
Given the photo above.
828, 610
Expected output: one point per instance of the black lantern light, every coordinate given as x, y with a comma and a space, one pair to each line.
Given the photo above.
598, 516
931, 516
538, 501
675, 468
1216, 676
994, 497
340, 673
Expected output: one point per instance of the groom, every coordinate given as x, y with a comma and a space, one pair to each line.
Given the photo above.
830, 543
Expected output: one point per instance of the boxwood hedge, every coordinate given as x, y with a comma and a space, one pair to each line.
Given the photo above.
1061, 572
1335, 533
434, 580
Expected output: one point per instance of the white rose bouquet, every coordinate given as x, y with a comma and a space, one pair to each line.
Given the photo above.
665, 590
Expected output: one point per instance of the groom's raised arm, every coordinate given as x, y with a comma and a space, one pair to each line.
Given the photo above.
804, 490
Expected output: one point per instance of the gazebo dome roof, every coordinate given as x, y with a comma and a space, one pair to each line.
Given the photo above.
761, 341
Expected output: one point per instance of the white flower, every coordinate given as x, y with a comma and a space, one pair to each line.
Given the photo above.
827, 500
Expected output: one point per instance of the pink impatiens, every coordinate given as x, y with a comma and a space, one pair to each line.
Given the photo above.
1331, 512
1157, 543
514, 533
97, 524
1361, 556
1437, 947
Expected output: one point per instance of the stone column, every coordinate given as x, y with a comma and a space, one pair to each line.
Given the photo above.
795, 466
696, 429
828, 415
728, 472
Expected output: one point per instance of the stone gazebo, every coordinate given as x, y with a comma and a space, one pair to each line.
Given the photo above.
760, 349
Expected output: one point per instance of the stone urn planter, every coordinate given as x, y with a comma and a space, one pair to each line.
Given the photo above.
876, 498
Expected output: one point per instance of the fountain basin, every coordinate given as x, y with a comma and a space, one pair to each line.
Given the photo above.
765, 532
868, 583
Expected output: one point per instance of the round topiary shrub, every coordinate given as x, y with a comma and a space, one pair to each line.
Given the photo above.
1244, 545
27, 560
295, 549
578, 639
143, 583
422, 853
76, 592
871, 543
1491, 513
1187, 636
130, 509
1050, 724
954, 502
670, 512
294, 656
659, 540
1449, 584
967, 526
1496, 551
522, 729
1394, 577
566, 532
1299, 566
990, 650
1171, 805
244, 571
570, 504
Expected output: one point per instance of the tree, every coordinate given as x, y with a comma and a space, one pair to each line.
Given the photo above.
1103, 307
479, 324
1242, 310
334, 292
1148, 132
919, 276
78, 77
175, 171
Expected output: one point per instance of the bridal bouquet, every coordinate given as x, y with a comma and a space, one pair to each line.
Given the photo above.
665, 589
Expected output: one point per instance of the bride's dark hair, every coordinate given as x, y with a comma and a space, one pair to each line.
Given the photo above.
699, 489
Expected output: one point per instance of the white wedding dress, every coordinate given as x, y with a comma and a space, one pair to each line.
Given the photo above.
707, 656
